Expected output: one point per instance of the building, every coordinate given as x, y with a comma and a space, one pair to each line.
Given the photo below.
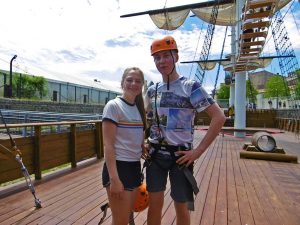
83, 91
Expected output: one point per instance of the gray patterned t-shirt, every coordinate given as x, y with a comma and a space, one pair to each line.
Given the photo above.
176, 110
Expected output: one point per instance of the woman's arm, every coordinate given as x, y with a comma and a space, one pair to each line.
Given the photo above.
109, 134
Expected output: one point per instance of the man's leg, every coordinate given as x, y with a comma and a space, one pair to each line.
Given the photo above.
182, 214
156, 202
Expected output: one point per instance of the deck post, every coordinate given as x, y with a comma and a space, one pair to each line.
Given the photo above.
98, 142
101, 141
73, 146
37, 153
240, 103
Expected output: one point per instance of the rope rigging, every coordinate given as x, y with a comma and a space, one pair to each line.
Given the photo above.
219, 65
201, 29
16, 154
283, 46
200, 72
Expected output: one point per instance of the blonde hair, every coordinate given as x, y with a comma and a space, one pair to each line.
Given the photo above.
139, 101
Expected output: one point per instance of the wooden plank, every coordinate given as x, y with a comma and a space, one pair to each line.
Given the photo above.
205, 176
265, 194
73, 141
221, 214
37, 153
98, 144
258, 15
258, 4
243, 199
232, 197
259, 24
248, 50
262, 34
16, 125
252, 43
232, 191
208, 215
254, 201
286, 186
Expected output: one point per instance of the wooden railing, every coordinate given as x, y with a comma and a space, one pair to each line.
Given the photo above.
289, 124
44, 151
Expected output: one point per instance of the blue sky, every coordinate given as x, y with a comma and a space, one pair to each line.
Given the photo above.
83, 40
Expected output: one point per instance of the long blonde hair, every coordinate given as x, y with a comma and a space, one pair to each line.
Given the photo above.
139, 101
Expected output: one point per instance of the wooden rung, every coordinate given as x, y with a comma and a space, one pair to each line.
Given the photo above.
240, 70
260, 24
252, 43
257, 15
249, 55
260, 4
247, 50
254, 35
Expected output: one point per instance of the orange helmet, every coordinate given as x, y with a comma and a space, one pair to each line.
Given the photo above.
142, 199
167, 43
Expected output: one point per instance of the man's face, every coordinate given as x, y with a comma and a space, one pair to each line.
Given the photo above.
165, 61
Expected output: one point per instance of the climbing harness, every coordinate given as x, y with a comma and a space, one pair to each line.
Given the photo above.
17, 155
171, 149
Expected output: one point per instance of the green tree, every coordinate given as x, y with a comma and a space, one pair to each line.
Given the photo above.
297, 88
251, 92
223, 92
276, 87
31, 87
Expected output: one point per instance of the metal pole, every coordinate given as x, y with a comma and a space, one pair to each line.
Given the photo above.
10, 78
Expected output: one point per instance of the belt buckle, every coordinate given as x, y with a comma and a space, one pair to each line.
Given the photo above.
163, 148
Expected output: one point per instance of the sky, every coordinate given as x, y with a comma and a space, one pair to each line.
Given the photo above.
81, 40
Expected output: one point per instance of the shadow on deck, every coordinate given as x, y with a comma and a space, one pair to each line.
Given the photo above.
232, 191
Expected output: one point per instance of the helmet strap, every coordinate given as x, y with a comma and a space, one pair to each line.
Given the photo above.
168, 84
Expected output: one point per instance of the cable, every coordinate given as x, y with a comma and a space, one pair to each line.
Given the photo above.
196, 51
295, 19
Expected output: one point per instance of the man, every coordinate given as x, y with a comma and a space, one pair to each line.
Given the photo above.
172, 104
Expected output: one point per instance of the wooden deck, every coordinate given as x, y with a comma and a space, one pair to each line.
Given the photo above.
232, 191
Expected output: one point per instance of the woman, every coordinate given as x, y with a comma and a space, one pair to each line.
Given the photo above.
123, 127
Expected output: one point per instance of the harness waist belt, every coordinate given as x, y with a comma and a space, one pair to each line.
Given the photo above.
170, 148
188, 174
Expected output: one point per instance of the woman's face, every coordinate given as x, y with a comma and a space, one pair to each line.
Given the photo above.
133, 83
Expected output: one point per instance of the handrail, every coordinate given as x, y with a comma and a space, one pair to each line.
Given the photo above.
71, 146
13, 125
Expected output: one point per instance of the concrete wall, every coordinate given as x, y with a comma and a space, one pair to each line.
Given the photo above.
48, 106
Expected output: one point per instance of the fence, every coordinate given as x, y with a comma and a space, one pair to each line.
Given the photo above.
45, 151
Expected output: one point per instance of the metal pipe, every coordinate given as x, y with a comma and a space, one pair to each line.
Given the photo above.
10, 77
178, 8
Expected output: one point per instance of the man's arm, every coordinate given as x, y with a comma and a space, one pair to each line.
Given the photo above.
217, 121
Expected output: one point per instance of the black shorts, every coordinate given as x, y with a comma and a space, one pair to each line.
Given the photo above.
129, 174
156, 178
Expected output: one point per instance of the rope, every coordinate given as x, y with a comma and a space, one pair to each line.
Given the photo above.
295, 19
219, 65
273, 22
196, 48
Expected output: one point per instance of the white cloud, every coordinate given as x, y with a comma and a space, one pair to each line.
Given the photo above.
77, 40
